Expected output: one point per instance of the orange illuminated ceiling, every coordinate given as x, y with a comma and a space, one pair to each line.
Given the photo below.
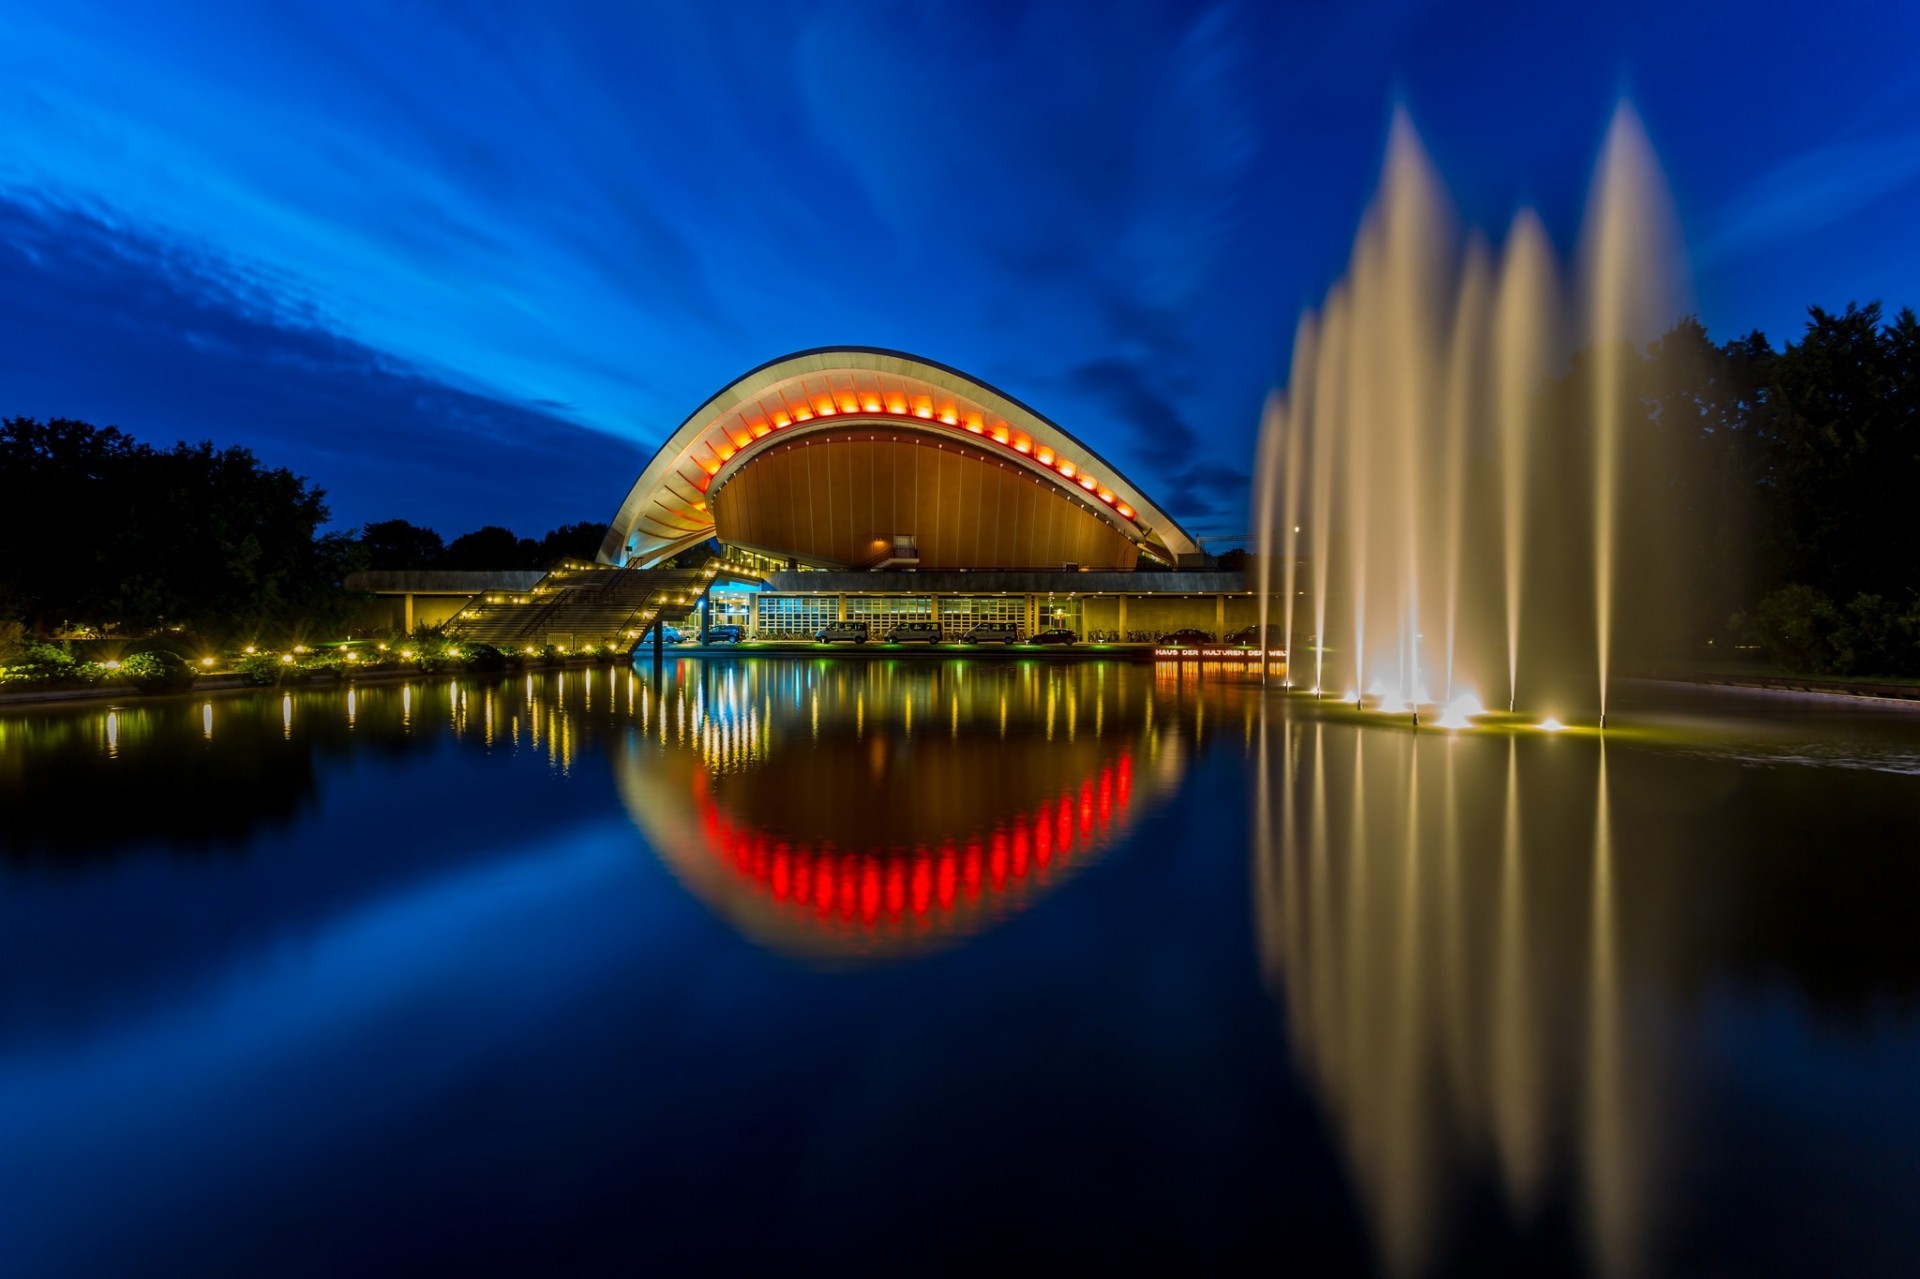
668, 510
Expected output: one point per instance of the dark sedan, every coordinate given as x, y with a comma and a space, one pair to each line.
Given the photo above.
1057, 635
1188, 638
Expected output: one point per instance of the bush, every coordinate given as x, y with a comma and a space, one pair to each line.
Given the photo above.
1803, 630
1875, 636
160, 671
485, 657
13, 642
263, 668
1794, 624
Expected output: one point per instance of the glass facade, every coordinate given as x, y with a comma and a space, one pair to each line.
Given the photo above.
1058, 610
960, 613
730, 607
882, 613
796, 616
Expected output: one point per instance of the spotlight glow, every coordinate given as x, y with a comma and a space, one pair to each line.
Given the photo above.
1551, 725
1460, 711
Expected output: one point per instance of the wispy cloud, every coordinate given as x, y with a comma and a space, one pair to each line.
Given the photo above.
1813, 191
179, 345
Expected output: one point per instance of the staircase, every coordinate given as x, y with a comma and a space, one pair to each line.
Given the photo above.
579, 604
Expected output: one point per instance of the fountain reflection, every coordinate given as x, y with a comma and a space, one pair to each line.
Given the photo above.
855, 812
1451, 965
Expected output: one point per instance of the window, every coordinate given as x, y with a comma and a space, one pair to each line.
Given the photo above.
884, 612
730, 607
960, 613
796, 616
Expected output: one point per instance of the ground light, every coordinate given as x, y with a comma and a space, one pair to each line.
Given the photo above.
1550, 725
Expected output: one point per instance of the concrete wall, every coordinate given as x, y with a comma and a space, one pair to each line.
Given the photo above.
388, 612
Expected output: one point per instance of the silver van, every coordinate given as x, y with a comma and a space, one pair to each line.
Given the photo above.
993, 633
841, 632
914, 633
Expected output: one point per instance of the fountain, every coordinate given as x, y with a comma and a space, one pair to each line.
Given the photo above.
1464, 477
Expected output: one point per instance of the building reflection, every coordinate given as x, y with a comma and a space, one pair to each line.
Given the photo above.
1442, 920
863, 811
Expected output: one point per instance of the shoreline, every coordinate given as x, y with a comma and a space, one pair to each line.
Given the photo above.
640, 658
1794, 686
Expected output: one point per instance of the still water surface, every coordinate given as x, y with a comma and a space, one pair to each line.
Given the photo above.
838, 965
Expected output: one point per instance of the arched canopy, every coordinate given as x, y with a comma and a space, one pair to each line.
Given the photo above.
825, 393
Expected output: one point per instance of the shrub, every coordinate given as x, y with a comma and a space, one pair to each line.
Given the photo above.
1794, 624
160, 671
13, 642
485, 657
262, 668
1875, 636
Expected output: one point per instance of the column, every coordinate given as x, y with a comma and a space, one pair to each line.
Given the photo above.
753, 615
842, 614
1220, 617
1121, 625
408, 627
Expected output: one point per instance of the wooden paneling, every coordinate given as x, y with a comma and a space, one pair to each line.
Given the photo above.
839, 498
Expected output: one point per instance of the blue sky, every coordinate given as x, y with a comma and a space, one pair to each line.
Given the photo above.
470, 264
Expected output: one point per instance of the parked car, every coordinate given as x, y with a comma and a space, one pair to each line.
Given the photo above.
914, 633
1056, 635
1187, 638
671, 634
841, 632
1249, 637
728, 633
993, 633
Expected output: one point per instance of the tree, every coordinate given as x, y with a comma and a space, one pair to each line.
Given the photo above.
572, 542
103, 529
396, 544
491, 547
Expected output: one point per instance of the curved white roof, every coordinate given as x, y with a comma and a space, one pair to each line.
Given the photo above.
666, 510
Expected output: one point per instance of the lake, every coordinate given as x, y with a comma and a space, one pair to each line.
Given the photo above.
853, 964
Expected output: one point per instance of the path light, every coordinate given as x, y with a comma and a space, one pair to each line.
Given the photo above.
112, 666
407, 653
286, 659
207, 662
351, 656
250, 648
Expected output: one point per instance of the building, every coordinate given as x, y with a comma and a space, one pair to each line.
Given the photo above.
870, 485
859, 485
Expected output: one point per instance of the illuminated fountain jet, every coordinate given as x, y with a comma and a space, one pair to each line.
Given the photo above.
1461, 528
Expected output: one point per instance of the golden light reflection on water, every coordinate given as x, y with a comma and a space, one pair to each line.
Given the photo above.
1413, 929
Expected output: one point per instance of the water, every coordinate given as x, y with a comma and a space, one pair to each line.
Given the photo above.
860, 965
1480, 520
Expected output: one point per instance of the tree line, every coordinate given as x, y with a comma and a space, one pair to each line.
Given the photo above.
1789, 516
1783, 509
104, 531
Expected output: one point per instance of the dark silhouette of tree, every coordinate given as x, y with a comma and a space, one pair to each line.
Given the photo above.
491, 547
101, 528
396, 544
573, 542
